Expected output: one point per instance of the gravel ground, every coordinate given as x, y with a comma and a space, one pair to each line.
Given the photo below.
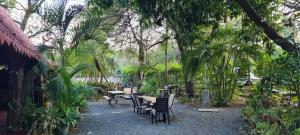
118, 119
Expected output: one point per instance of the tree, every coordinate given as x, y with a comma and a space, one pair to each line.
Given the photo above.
60, 18
30, 11
130, 34
284, 43
222, 49
183, 18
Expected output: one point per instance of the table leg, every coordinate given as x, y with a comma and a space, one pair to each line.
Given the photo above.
116, 99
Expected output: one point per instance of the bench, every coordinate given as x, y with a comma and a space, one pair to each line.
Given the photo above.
108, 99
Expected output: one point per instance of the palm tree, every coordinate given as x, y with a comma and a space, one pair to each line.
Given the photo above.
222, 51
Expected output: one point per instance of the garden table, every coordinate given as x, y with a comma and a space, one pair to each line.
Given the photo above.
115, 94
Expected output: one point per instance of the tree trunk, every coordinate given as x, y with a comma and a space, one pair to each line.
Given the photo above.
188, 83
141, 58
101, 78
189, 88
166, 59
268, 30
25, 20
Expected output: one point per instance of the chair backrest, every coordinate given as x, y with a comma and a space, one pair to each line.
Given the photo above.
138, 103
171, 100
133, 100
161, 105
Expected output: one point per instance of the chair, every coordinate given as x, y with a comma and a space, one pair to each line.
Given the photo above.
134, 103
170, 102
139, 106
161, 107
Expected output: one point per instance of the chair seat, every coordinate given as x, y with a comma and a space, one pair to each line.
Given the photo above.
107, 98
147, 109
126, 96
145, 106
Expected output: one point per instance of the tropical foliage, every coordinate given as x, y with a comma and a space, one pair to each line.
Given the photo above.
199, 44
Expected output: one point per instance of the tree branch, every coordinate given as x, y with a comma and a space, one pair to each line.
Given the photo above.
268, 30
135, 35
158, 42
22, 6
38, 32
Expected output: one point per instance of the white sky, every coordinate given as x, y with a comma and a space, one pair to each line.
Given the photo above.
34, 22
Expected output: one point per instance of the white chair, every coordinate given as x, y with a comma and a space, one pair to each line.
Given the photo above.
170, 102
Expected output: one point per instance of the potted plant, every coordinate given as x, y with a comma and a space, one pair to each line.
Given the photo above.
68, 118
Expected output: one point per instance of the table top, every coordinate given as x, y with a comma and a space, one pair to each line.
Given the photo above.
148, 98
116, 92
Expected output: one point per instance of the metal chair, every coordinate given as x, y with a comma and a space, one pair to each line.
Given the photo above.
161, 107
133, 99
170, 102
139, 106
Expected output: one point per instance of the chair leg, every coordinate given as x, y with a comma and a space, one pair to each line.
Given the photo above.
151, 118
172, 112
164, 117
168, 117
156, 114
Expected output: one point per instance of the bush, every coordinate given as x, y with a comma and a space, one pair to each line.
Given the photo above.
129, 74
297, 131
269, 120
264, 128
148, 88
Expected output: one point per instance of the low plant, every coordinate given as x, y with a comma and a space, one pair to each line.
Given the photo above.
66, 100
46, 121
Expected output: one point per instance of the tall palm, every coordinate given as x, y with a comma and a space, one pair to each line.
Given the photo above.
222, 54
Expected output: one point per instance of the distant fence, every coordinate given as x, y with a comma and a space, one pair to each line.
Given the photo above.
113, 79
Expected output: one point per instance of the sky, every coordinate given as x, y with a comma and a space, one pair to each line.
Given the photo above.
35, 19
35, 23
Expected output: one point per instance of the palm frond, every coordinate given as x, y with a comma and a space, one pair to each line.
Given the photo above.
194, 59
97, 64
78, 68
65, 76
70, 14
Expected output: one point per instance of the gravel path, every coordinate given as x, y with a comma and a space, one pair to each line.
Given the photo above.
118, 119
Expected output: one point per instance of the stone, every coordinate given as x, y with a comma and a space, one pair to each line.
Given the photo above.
205, 98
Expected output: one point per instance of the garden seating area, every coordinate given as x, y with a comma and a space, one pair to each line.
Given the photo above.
150, 67
156, 107
104, 119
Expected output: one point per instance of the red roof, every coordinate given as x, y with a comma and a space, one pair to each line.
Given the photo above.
14, 36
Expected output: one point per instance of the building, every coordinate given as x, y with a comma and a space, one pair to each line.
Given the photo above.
17, 57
